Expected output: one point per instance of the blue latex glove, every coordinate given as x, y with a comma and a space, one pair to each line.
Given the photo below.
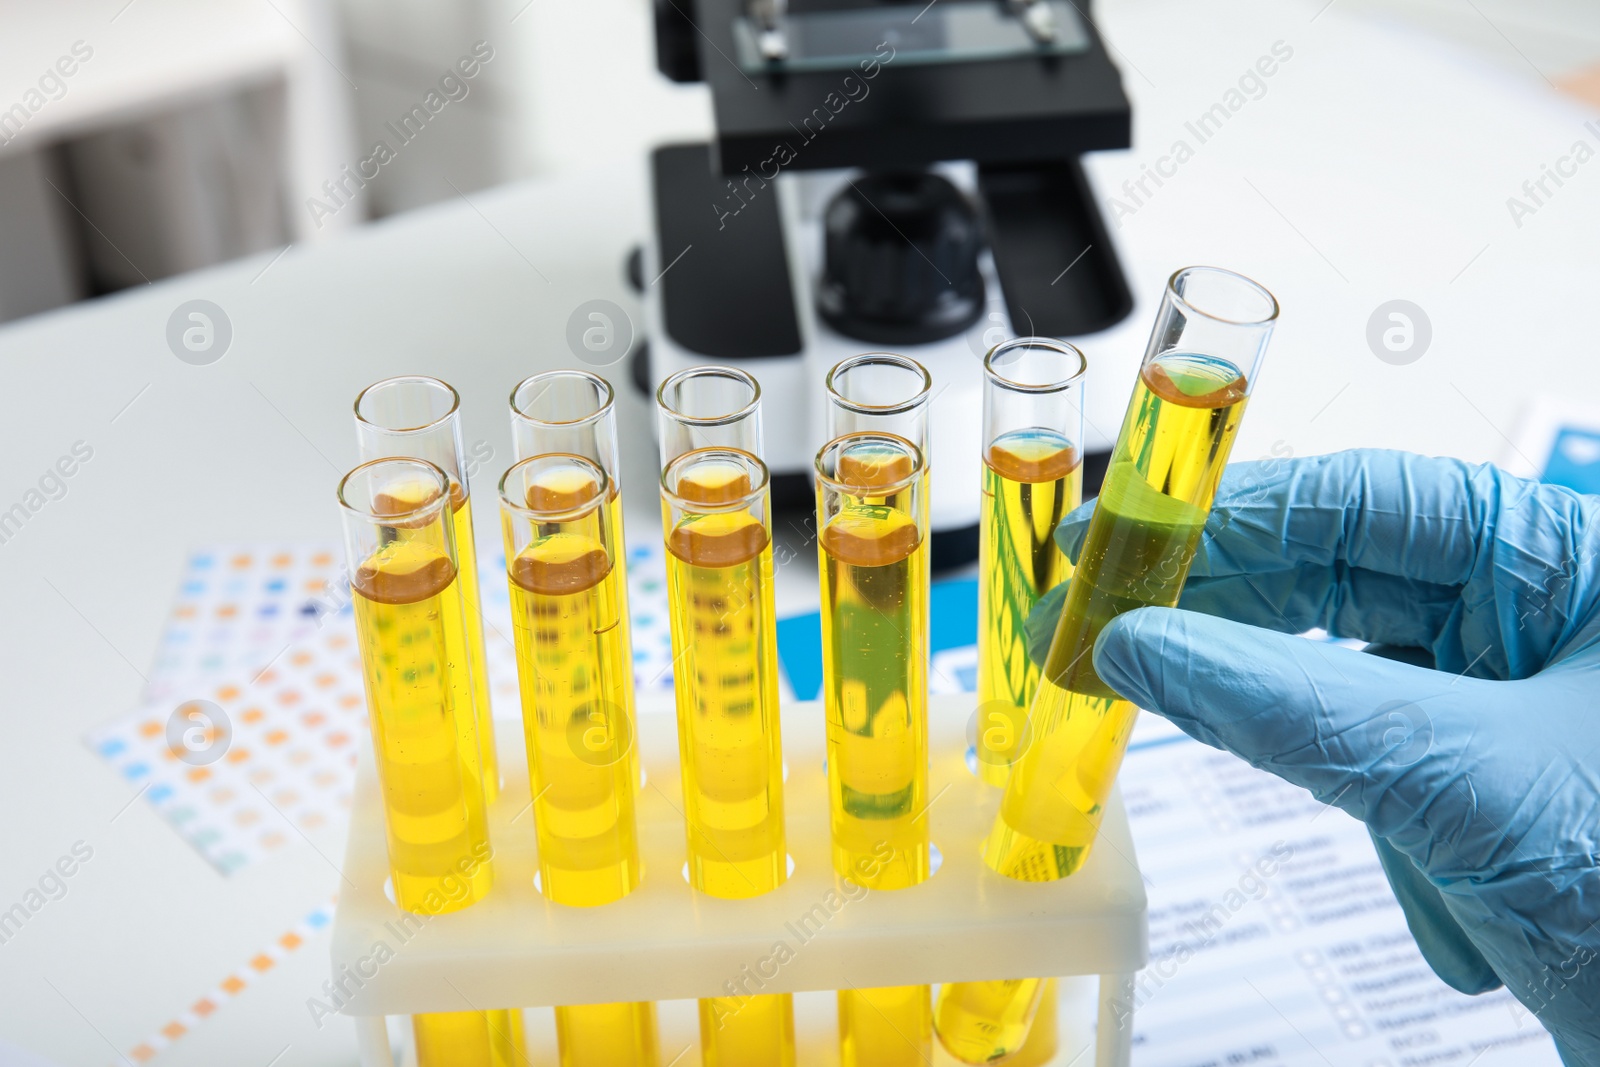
1479, 780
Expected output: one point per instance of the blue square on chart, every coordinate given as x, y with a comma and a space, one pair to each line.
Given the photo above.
277, 585
200, 563
194, 587
1575, 460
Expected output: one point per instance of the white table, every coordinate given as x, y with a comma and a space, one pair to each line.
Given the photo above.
1375, 167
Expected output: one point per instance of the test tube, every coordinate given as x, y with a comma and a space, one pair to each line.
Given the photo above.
573, 412
1203, 358
574, 672
715, 514
563, 574
607, 1035
470, 1039
420, 417
1201, 363
872, 554
708, 407
1032, 476
404, 576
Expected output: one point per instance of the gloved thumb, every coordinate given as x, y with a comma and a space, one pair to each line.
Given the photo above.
1353, 729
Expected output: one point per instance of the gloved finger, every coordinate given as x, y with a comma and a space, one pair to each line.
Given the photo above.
1442, 941
1352, 729
1041, 622
1358, 604
1355, 603
1070, 531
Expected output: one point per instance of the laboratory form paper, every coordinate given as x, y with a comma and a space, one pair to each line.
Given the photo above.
1274, 936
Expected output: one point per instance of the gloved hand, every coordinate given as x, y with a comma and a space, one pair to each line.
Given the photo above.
1480, 779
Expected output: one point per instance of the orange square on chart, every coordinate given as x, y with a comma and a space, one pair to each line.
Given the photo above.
198, 774
143, 1053
227, 611
281, 559
251, 715
313, 718
349, 700
247, 818
203, 1007
272, 840
338, 641
322, 559
312, 821
228, 692
149, 728
185, 611
261, 774
289, 696
238, 755
315, 585
300, 658
276, 737
325, 680
241, 561
290, 941
335, 740
263, 962
232, 984
267, 677
173, 1030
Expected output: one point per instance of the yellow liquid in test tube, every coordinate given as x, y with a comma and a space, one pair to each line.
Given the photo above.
470, 1039
719, 580
874, 646
888, 1027
1163, 475
413, 653
756, 1031
575, 680
608, 1035
1031, 479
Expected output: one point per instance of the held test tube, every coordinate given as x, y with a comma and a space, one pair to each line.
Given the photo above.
400, 543
419, 417
872, 518
715, 514
1032, 476
1203, 358
573, 412
575, 678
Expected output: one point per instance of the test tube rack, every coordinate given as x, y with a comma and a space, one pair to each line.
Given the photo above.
665, 941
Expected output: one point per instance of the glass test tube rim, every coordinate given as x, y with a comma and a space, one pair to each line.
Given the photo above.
1175, 294
1058, 385
606, 398
408, 379
424, 512
715, 370
893, 359
602, 489
696, 507
837, 484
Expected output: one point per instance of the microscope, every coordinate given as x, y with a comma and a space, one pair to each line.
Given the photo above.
885, 176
